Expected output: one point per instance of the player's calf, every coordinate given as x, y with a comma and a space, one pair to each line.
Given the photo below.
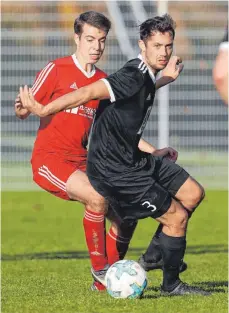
172, 243
118, 239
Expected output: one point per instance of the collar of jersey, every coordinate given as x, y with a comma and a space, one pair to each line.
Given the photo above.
88, 75
151, 74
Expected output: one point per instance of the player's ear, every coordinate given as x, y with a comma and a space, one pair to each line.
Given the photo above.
76, 38
142, 45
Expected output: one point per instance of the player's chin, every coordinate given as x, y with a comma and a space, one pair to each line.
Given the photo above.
161, 66
94, 59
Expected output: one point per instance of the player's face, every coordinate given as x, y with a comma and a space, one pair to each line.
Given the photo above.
90, 44
157, 50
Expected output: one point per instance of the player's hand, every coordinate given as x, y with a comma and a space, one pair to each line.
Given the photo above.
173, 68
29, 102
20, 111
169, 153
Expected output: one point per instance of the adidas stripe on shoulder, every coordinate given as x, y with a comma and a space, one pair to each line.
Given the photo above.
42, 77
143, 67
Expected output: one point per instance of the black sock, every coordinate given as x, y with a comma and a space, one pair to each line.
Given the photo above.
172, 249
153, 252
126, 232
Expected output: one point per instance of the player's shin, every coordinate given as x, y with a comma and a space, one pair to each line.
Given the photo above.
117, 241
153, 252
173, 249
94, 227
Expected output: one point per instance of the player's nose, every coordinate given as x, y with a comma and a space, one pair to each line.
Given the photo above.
97, 45
163, 51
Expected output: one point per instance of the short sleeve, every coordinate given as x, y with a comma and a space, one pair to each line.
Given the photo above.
45, 83
124, 83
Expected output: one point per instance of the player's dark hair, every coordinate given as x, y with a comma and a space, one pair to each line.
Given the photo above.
94, 19
161, 24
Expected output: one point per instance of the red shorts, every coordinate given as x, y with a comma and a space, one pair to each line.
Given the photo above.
52, 172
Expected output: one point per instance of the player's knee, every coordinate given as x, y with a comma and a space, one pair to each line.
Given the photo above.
98, 205
178, 217
202, 194
181, 219
72, 191
198, 195
195, 197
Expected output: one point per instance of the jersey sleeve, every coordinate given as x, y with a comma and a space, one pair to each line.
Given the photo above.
103, 105
45, 83
125, 83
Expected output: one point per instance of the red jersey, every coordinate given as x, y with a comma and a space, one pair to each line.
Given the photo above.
65, 133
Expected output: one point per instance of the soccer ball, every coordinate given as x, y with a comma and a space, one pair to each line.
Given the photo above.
126, 279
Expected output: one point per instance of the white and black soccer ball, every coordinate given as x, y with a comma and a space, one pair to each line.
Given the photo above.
126, 279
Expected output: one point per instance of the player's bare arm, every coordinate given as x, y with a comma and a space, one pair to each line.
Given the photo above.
20, 112
97, 90
146, 146
168, 152
171, 72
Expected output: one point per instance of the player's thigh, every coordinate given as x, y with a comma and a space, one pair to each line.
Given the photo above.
79, 188
169, 175
153, 202
51, 174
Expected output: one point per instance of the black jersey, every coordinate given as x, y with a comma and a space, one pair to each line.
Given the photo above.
117, 131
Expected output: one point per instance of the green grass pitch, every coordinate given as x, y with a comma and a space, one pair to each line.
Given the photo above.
45, 265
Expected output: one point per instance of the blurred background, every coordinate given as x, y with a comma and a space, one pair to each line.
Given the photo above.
189, 115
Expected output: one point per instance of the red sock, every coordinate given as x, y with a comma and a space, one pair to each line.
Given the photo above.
94, 228
116, 247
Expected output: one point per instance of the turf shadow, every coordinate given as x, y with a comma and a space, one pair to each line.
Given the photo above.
198, 249
211, 286
46, 256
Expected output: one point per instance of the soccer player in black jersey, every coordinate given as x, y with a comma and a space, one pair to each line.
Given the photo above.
138, 184
220, 70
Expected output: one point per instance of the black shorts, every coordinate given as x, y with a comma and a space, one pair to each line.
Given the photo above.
138, 195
